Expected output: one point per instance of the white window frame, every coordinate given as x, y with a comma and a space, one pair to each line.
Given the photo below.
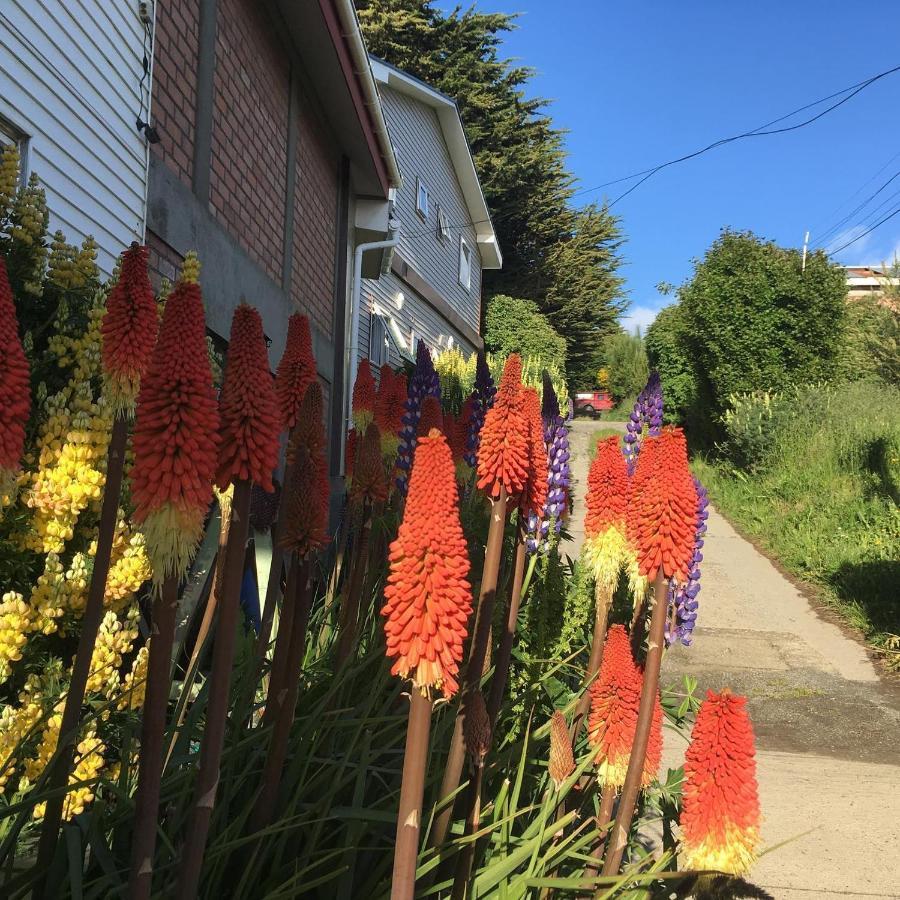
465, 263
11, 133
379, 351
443, 225
421, 198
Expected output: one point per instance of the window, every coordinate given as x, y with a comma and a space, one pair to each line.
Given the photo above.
465, 264
378, 341
421, 198
443, 225
9, 134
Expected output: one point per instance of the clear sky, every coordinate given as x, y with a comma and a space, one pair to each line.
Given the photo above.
638, 83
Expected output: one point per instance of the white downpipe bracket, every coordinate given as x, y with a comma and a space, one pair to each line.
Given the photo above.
355, 306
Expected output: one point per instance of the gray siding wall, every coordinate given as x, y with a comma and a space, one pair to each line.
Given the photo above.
69, 76
421, 151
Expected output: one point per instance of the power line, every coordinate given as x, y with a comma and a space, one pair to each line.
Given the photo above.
867, 219
867, 231
820, 239
760, 132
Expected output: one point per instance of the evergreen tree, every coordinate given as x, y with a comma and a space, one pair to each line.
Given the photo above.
564, 260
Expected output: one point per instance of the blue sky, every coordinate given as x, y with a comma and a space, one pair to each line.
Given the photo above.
638, 83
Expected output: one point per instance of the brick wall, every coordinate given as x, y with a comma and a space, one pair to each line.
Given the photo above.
315, 211
249, 132
163, 261
175, 83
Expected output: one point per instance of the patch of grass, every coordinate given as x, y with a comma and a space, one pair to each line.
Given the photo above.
824, 501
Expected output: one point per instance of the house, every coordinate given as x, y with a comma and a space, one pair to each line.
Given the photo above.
431, 286
251, 132
868, 281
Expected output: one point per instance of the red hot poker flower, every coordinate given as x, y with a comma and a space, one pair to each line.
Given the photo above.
720, 816
503, 451
607, 494
350, 453
390, 405
248, 407
306, 492
535, 494
615, 698
363, 405
175, 436
128, 329
428, 597
296, 370
663, 509
369, 481
431, 417
15, 388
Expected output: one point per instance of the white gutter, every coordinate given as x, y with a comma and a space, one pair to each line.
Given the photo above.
356, 303
360, 55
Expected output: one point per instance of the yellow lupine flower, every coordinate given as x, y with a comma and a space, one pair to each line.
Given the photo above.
16, 621
16, 722
88, 765
134, 685
9, 177
114, 640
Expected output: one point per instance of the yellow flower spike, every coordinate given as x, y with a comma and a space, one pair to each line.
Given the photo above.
16, 622
9, 177
134, 684
190, 268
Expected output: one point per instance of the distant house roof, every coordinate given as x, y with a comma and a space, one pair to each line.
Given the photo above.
458, 147
867, 278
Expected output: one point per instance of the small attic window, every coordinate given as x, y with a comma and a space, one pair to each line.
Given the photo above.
465, 264
421, 198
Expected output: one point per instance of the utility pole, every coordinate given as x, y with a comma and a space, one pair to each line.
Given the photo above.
805, 244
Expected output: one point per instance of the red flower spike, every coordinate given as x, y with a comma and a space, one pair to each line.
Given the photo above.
363, 405
615, 698
248, 406
175, 436
307, 489
128, 329
390, 405
720, 816
607, 493
350, 453
662, 514
369, 482
432, 416
503, 458
15, 387
535, 494
295, 371
428, 599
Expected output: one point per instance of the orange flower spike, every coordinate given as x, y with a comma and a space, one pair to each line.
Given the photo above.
128, 329
720, 817
15, 388
307, 491
503, 457
663, 508
369, 481
432, 416
175, 436
296, 370
428, 599
615, 698
248, 406
535, 495
363, 405
390, 404
458, 436
607, 493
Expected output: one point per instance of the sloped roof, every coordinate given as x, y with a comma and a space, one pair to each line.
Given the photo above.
458, 147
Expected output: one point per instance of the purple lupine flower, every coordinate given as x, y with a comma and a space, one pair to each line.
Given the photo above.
684, 598
423, 383
648, 411
556, 439
483, 397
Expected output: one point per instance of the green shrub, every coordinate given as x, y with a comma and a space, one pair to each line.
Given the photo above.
626, 361
871, 342
823, 491
669, 354
513, 325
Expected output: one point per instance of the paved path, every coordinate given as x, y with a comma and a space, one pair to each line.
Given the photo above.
827, 727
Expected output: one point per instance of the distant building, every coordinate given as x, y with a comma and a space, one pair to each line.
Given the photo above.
431, 287
868, 281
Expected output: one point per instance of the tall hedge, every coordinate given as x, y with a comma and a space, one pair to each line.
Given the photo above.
514, 325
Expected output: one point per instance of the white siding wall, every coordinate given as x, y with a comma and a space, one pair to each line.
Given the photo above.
69, 76
421, 151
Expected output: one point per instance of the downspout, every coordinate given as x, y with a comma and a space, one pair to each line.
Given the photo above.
355, 304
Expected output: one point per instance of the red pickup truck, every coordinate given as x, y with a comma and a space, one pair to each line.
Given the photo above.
592, 403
